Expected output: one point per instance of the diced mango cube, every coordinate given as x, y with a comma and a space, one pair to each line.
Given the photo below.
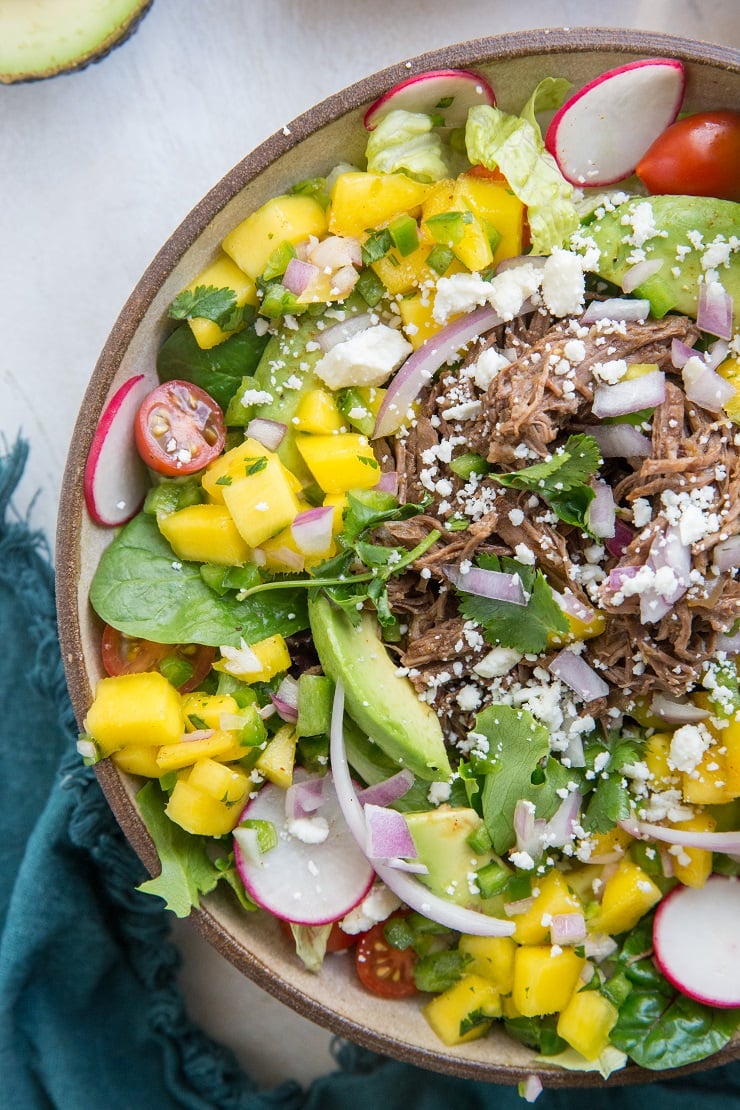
439, 199
533, 926
340, 462
137, 709
205, 534
418, 319
492, 958
229, 785
138, 759
657, 750
262, 503
361, 201
628, 895
221, 274
402, 275
199, 813
707, 784
174, 757
494, 204
586, 1022
730, 371
317, 413
607, 844
283, 219
544, 978
693, 866
258, 662
206, 710
464, 1011
338, 502
278, 759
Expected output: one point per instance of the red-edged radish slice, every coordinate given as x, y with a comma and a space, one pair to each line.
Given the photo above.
306, 883
115, 480
697, 942
449, 92
601, 133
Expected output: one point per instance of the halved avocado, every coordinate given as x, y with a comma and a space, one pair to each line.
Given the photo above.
41, 38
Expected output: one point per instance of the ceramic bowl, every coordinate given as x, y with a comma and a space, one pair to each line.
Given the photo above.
326, 134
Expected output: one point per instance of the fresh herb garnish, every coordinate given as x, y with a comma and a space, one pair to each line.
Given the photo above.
376, 246
610, 800
562, 481
206, 302
253, 466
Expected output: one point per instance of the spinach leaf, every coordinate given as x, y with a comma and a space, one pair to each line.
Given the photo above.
143, 590
662, 1029
220, 370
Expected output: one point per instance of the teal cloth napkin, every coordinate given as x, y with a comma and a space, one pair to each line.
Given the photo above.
91, 1016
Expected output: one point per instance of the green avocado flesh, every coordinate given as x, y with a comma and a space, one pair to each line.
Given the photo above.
441, 840
675, 221
380, 701
40, 38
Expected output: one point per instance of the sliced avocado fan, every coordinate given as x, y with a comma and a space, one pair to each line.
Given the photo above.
42, 38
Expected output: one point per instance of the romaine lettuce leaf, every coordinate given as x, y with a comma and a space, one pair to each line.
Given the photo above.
406, 142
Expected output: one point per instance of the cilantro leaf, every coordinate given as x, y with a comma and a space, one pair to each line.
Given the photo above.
527, 628
208, 303
187, 870
368, 509
562, 481
609, 801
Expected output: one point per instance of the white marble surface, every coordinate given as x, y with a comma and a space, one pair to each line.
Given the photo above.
96, 170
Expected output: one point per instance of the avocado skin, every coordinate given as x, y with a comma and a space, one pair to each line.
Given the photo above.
377, 699
676, 216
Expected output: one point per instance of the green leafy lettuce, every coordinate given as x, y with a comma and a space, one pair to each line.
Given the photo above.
406, 142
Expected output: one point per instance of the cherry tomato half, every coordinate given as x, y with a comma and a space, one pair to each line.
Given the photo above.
338, 940
179, 429
383, 969
697, 156
129, 655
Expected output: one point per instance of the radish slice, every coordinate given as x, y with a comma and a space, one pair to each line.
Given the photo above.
451, 92
309, 884
697, 943
602, 132
115, 480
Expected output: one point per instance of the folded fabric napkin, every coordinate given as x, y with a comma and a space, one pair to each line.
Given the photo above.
90, 1012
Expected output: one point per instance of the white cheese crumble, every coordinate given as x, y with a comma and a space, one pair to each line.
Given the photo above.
376, 906
688, 746
366, 358
309, 830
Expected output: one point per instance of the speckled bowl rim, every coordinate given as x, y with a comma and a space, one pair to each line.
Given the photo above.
478, 52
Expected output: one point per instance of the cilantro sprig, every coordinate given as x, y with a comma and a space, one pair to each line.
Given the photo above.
206, 302
562, 481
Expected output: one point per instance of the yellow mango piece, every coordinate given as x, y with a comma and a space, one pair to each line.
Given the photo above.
492, 958
137, 709
259, 662
474, 249
494, 204
533, 926
628, 895
198, 813
580, 629
639, 370
586, 1022
608, 843
544, 978
221, 274
340, 462
508, 1009
174, 757
729, 738
138, 759
229, 785
262, 503
657, 750
317, 413
464, 1011
284, 219
730, 371
438, 200
338, 502
693, 866
361, 201
231, 467
707, 784
206, 709
278, 759
205, 534
402, 275
418, 322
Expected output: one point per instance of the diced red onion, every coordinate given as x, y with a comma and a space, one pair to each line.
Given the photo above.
406, 887
522, 905
488, 583
344, 280
704, 386
599, 946
198, 734
726, 843
575, 753
567, 928
576, 673
666, 862
573, 606
619, 576
343, 330
389, 790
669, 550
714, 310
717, 353
531, 1088
681, 353
640, 272
388, 482
616, 308
388, 834
285, 699
270, 433
726, 554
335, 251
530, 830
730, 644
299, 275
559, 829
304, 798
602, 512
410, 866
630, 395
617, 544
289, 558
421, 366
621, 441
312, 530
677, 712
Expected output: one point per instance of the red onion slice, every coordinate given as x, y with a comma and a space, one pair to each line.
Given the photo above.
629, 396
640, 272
729, 644
621, 441
531, 1088
677, 712
576, 673
270, 433
617, 544
285, 699
559, 830
299, 275
616, 308
619, 576
389, 790
488, 583
388, 835
312, 530
567, 928
681, 353
388, 482
407, 887
573, 606
726, 843
304, 798
602, 512
530, 830
420, 367
704, 386
714, 310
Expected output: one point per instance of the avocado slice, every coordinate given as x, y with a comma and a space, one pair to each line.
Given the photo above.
441, 840
42, 38
383, 703
676, 219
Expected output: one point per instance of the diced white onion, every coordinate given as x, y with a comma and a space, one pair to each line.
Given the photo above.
576, 673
